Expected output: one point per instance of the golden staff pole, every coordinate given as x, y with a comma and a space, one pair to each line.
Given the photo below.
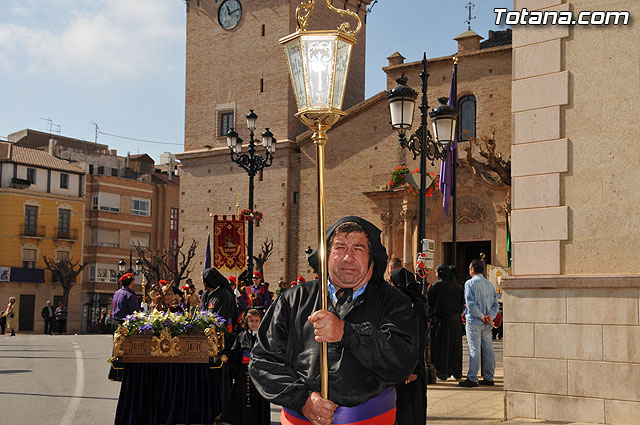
319, 137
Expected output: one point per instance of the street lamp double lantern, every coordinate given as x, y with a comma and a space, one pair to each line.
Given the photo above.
235, 143
402, 101
319, 67
122, 266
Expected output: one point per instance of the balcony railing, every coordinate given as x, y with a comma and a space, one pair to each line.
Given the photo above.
34, 231
68, 234
19, 274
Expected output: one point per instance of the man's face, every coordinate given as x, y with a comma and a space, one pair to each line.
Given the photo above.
349, 260
256, 280
49, 303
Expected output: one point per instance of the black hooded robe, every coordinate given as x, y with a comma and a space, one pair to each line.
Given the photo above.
412, 397
446, 300
248, 406
378, 350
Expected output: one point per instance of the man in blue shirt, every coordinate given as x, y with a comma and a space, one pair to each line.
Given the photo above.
481, 309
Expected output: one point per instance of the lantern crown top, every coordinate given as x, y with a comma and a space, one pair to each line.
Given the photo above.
304, 10
442, 109
402, 90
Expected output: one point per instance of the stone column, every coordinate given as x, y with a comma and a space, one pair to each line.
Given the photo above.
387, 231
407, 248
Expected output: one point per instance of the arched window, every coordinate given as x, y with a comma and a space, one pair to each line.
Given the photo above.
466, 117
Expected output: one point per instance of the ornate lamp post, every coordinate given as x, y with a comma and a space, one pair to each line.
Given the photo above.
319, 65
402, 101
122, 265
252, 162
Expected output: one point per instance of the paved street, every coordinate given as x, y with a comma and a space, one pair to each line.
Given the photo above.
64, 378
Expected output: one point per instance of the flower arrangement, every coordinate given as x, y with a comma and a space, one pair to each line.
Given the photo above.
251, 215
398, 179
152, 323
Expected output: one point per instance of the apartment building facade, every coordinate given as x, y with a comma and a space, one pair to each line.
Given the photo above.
41, 215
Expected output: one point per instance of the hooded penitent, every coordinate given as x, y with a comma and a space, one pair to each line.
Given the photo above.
378, 349
378, 251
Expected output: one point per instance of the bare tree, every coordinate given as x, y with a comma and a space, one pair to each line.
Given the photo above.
64, 271
171, 264
261, 259
495, 163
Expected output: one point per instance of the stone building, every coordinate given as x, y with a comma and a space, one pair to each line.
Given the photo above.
126, 203
572, 329
222, 86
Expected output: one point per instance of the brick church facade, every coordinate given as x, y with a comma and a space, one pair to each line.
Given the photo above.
230, 71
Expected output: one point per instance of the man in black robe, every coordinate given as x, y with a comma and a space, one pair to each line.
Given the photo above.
446, 300
218, 296
412, 394
372, 336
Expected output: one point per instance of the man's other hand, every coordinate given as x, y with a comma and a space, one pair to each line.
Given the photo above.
327, 326
318, 410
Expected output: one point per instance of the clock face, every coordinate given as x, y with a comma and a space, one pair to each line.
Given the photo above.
229, 14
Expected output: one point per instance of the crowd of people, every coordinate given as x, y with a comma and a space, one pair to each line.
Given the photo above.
376, 327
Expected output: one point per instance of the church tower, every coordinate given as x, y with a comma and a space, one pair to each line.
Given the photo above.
233, 64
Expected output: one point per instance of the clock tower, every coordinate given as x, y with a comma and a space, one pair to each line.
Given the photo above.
234, 63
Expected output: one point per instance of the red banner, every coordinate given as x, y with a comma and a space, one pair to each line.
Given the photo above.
228, 244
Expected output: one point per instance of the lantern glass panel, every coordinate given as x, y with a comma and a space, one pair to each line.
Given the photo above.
294, 56
444, 129
319, 56
402, 113
342, 67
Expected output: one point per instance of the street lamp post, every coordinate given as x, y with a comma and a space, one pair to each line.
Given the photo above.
402, 101
252, 163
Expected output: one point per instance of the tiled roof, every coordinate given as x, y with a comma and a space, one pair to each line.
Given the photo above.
497, 39
36, 158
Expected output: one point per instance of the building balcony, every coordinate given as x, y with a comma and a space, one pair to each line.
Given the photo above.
67, 234
19, 274
34, 231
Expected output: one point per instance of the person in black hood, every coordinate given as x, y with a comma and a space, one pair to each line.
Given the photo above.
218, 296
412, 394
446, 300
372, 336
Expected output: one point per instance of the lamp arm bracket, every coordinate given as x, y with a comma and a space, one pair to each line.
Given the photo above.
345, 26
304, 10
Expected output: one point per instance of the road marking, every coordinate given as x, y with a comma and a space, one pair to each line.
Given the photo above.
72, 408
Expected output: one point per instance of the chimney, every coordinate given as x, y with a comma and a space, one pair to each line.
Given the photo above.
468, 41
396, 59
10, 150
53, 144
170, 167
128, 161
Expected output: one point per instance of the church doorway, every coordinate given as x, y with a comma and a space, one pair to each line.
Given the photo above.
466, 252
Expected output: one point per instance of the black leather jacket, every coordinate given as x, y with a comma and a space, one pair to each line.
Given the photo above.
379, 348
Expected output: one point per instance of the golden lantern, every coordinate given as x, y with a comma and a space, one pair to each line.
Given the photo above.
319, 67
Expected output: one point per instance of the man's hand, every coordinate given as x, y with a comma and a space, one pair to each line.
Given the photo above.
487, 320
327, 326
411, 378
318, 410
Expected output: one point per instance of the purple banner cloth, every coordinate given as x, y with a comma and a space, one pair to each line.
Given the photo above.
446, 166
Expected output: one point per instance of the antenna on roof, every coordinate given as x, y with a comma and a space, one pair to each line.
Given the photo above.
57, 127
95, 140
470, 6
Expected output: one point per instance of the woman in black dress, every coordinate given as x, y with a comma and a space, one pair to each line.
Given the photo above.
249, 408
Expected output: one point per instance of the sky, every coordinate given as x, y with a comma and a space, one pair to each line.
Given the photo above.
69, 65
